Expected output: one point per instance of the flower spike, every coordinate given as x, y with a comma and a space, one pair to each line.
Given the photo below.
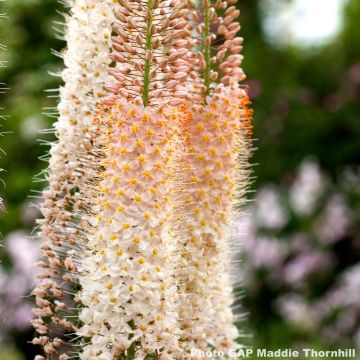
129, 267
129, 289
88, 36
152, 161
218, 146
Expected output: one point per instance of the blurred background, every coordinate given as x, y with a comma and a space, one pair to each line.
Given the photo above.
301, 251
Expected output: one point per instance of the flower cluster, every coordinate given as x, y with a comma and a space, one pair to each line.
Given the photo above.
129, 286
143, 188
215, 140
151, 57
217, 152
86, 58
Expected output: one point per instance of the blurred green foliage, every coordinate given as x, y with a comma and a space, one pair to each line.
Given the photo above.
305, 101
308, 98
28, 34
10, 354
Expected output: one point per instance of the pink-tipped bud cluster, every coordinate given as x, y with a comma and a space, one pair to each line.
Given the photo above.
149, 51
215, 58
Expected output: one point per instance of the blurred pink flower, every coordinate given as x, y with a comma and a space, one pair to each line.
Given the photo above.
24, 252
334, 222
22, 316
354, 74
307, 188
300, 238
297, 271
15, 285
295, 310
265, 252
269, 212
29, 213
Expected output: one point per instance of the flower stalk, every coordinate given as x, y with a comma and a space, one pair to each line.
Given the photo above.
207, 45
147, 67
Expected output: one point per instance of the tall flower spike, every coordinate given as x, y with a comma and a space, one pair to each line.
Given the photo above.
149, 51
129, 290
218, 149
88, 36
129, 287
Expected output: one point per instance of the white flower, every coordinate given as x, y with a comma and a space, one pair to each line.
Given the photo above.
215, 142
128, 280
86, 58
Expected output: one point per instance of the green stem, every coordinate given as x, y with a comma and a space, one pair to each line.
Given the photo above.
207, 47
146, 87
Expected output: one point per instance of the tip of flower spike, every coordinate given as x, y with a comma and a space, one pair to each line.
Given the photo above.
149, 53
215, 57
